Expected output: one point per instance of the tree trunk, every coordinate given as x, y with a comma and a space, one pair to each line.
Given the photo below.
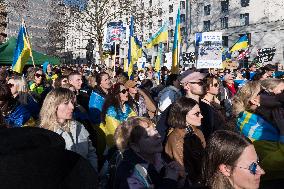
101, 52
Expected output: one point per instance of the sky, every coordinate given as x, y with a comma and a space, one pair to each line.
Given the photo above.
80, 3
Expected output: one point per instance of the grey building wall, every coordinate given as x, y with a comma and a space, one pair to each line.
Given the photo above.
265, 23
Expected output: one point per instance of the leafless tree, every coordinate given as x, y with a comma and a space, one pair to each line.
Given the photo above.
97, 14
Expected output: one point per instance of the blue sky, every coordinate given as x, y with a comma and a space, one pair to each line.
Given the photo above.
80, 3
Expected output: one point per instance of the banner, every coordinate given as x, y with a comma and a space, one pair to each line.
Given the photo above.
115, 32
209, 49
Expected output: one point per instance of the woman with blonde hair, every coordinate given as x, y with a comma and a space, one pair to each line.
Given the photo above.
142, 165
56, 115
267, 135
19, 90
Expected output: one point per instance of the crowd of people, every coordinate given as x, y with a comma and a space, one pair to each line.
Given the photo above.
71, 126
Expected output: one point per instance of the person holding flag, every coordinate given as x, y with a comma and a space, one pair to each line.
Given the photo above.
23, 50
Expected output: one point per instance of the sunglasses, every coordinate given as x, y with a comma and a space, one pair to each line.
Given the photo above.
38, 75
200, 83
216, 85
123, 91
252, 168
10, 85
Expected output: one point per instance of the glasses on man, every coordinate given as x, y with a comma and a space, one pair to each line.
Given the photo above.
123, 91
252, 167
200, 83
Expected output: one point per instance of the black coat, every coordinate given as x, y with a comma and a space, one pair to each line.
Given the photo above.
126, 167
32, 158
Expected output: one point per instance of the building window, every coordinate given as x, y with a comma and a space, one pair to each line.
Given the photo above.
150, 25
171, 20
182, 18
182, 31
225, 41
171, 33
225, 6
160, 11
150, 14
160, 23
206, 25
244, 3
150, 35
244, 19
182, 4
171, 8
207, 9
224, 23
150, 3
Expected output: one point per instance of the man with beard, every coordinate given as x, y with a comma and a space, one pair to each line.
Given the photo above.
193, 86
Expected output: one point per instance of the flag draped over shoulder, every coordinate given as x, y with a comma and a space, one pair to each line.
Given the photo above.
176, 45
134, 50
23, 50
159, 58
159, 37
242, 43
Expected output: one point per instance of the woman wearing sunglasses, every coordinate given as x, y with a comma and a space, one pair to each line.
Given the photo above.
210, 106
115, 110
37, 85
266, 132
230, 161
186, 143
19, 90
14, 113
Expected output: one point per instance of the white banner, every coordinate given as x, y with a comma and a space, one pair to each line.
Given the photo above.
209, 49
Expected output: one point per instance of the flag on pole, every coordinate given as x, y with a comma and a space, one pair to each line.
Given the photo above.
176, 45
134, 49
159, 58
23, 50
159, 37
242, 43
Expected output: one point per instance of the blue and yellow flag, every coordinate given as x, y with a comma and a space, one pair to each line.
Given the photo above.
159, 58
159, 37
23, 50
134, 50
242, 43
176, 46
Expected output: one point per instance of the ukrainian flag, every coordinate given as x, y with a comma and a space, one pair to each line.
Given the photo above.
242, 43
23, 50
176, 46
159, 37
159, 58
134, 50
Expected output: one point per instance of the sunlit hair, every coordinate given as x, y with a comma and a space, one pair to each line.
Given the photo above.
48, 112
21, 87
270, 83
131, 131
241, 101
223, 147
179, 110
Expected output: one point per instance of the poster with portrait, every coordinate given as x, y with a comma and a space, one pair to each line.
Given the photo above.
115, 32
209, 49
